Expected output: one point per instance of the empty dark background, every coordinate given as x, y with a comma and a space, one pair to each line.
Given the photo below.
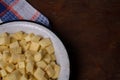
90, 30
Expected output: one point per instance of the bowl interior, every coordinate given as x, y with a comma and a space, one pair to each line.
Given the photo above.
60, 51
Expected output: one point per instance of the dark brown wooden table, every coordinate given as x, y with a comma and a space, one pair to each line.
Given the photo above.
90, 30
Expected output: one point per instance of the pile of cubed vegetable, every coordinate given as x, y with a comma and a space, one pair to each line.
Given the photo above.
27, 57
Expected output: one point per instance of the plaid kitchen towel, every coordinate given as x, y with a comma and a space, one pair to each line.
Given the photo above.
20, 10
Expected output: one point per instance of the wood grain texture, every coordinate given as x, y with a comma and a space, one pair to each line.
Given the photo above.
90, 30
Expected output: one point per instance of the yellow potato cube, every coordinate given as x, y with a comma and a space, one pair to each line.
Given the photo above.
14, 45
13, 58
29, 37
3, 73
47, 58
57, 71
34, 46
4, 40
15, 75
2, 64
6, 55
17, 50
18, 35
25, 46
21, 64
30, 66
16, 58
29, 56
50, 49
10, 67
41, 64
37, 57
39, 74
50, 71
45, 42
36, 38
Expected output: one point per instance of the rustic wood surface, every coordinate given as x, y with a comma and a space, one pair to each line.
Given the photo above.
90, 30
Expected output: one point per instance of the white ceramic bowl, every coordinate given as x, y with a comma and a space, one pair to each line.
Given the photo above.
29, 27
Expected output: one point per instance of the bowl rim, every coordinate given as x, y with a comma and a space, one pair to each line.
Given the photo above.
48, 28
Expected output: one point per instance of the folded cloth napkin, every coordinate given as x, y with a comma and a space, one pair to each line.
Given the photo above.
20, 10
